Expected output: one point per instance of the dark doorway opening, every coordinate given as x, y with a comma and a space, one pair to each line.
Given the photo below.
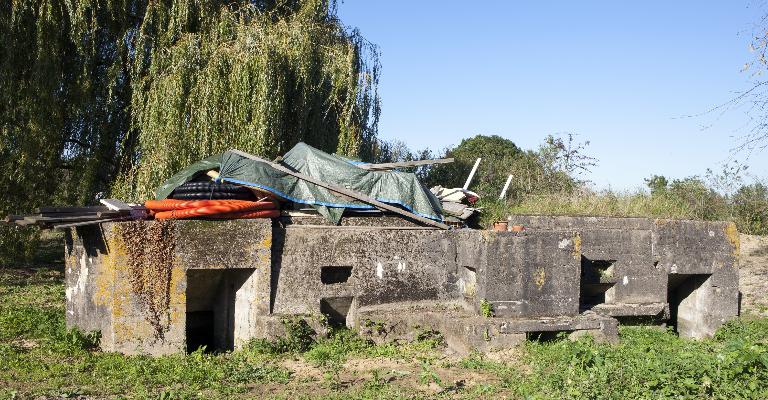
685, 309
546, 336
336, 309
215, 300
200, 330
596, 283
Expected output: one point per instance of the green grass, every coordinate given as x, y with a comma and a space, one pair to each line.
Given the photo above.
609, 204
39, 357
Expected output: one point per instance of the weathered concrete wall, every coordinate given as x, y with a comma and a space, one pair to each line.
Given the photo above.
97, 256
645, 255
87, 302
520, 274
223, 283
528, 274
110, 302
387, 266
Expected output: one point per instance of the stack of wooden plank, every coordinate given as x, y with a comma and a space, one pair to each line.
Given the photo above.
66, 217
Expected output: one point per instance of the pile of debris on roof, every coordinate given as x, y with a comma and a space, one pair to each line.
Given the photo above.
235, 185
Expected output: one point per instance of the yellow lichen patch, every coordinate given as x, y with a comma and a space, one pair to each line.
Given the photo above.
178, 294
661, 221
576, 246
732, 234
266, 243
540, 277
112, 261
127, 331
266, 247
111, 285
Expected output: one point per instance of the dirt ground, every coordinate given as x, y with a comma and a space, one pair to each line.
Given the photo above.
753, 274
437, 377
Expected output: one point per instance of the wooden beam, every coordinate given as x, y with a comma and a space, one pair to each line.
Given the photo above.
344, 191
93, 222
13, 218
93, 209
403, 164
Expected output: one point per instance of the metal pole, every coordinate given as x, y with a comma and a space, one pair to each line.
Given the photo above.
506, 186
471, 174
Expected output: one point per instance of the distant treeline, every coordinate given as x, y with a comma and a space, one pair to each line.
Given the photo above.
550, 180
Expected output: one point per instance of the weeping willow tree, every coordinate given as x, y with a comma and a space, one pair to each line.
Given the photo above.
110, 97
208, 78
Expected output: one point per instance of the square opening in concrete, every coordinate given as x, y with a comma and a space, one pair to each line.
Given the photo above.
335, 274
218, 302
468, 281
546, 336
686, 295
596, 283
336, 309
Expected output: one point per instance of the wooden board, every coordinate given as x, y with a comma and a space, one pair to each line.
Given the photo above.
44, 210
403, 164
94, 222
116, 205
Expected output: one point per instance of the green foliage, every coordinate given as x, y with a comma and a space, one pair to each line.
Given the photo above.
547, 182
497, 153
650, 364
111, 97
657, 183
552, 169
751, 208
486, 308
40, 357
248, 79
565, 155
299, 336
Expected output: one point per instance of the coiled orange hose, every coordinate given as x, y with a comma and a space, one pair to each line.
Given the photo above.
175, 209
171, 204
248, 214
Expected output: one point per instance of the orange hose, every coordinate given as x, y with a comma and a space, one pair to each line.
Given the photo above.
172, 204
248, 214
212, 210
174, 209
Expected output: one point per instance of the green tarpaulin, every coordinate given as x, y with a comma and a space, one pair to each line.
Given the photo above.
392, 187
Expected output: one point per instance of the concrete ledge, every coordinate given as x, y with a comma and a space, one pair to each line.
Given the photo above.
464, 331
658, 310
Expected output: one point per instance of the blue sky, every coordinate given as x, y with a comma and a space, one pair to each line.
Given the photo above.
620, 74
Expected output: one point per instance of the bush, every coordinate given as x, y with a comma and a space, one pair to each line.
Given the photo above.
751, 206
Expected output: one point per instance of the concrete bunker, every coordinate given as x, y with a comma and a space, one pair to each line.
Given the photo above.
233, 281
